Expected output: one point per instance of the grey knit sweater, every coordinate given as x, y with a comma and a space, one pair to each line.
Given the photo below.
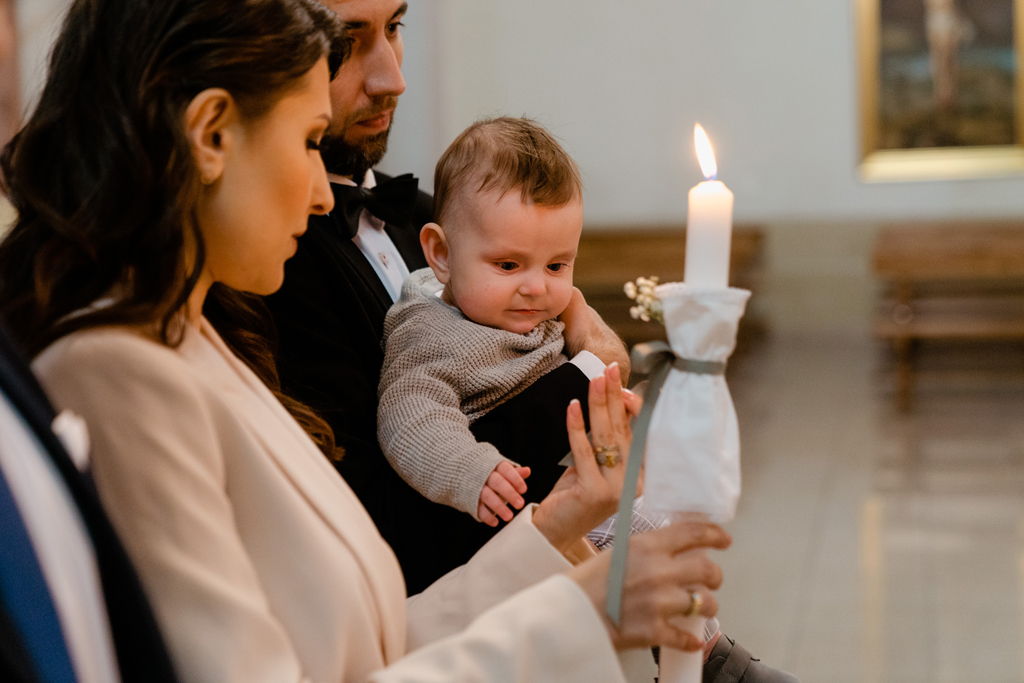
441, 372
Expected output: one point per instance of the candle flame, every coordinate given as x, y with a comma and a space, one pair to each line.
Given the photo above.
705, 152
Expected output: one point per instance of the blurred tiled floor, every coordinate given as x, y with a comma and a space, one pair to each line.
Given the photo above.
874, 546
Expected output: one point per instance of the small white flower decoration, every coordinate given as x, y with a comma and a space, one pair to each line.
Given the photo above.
648, 305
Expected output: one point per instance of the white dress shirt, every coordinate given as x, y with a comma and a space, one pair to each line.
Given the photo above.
62, 546
376, 244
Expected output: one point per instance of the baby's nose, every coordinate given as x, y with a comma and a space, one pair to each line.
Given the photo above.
531, 285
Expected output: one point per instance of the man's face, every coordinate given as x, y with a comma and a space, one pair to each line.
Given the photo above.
366, 90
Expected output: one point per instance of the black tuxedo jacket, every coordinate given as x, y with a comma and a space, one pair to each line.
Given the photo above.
330, 319
141, 655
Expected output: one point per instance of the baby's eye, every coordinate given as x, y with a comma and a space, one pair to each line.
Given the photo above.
555, 267
507, 265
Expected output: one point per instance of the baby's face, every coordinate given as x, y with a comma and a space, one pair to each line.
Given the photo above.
511, 263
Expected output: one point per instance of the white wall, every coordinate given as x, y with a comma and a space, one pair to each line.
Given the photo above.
621, 84
416, 138
38, 25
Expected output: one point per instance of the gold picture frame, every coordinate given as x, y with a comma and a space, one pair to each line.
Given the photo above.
885, 154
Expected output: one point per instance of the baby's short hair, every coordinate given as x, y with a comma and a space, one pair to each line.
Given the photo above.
505, 154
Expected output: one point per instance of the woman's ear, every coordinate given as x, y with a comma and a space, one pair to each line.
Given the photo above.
435, 248
208, 119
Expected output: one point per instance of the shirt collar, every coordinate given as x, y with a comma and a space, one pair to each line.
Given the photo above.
369, 180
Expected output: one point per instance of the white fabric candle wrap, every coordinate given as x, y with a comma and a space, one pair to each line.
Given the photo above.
693, 448
692, 462
691, 456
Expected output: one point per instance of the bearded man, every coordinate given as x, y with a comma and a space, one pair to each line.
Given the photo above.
349, 269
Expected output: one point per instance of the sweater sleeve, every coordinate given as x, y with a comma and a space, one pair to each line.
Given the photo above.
421, 427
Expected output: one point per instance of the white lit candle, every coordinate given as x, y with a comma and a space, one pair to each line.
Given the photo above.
708, 222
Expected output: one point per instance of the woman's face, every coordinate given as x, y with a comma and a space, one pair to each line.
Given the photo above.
252, 215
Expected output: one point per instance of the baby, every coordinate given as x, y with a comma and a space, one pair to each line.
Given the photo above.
481, 324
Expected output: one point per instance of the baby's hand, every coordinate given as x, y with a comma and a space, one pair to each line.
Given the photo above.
503, 487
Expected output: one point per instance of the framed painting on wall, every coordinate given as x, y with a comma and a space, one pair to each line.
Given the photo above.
941, 88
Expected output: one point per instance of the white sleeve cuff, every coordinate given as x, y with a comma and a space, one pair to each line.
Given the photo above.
589, 364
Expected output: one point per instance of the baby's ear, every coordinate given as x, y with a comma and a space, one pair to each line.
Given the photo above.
435, 248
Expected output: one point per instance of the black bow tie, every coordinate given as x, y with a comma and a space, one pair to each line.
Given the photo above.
392, 201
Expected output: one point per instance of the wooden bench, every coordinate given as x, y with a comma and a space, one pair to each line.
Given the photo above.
609, 257
947, 281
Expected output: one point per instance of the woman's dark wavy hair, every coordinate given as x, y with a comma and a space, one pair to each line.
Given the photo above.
102, 174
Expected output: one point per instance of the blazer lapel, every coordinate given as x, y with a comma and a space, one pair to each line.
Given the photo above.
356, 262
312, 475
407, 241
350, 254
141, 654
407, 237
22, 388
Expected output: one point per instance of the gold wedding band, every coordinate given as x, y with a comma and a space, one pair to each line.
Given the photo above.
696, 603
607, 456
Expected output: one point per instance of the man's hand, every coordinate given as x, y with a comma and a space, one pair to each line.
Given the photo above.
505, 486
585, 331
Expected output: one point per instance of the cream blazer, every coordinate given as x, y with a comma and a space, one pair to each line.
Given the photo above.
260, 561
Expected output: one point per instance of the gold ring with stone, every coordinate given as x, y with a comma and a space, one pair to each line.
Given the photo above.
607, 456
696, 603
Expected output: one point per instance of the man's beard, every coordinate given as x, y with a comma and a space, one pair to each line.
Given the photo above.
355, 159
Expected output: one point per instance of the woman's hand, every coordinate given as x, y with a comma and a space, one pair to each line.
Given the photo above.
588, 493
660, 579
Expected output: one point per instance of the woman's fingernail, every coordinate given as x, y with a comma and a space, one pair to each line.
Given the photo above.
574, 401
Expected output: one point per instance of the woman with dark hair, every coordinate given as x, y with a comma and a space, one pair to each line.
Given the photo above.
169, 167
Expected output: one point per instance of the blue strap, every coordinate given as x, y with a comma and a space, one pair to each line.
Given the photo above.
26, 597
653, 359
